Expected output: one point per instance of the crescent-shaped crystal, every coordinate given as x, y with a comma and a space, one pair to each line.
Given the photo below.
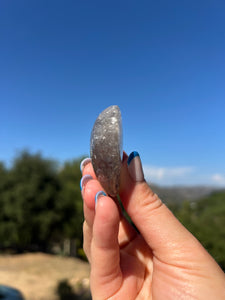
106, 148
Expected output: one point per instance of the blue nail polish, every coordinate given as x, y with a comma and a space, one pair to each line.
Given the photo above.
84, 162
100, 193
132, 156
84, 180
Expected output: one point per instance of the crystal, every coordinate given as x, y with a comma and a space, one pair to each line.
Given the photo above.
106, 149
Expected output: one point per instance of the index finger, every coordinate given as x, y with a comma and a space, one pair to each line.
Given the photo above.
87, 168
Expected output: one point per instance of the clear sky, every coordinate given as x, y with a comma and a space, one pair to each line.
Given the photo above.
162, 62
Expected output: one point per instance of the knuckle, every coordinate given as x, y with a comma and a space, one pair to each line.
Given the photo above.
85, 228
86, 239
85, 248
148, 199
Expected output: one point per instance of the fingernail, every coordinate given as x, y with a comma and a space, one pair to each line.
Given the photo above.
84, 181
98, 195
125, 156
84, 162
135, 167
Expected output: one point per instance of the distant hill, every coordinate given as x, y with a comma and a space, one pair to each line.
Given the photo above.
178, 194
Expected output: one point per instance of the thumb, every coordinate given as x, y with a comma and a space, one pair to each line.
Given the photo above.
165, 235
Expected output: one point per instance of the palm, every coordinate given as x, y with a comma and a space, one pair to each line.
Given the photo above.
164, 262
146, 277
136, 268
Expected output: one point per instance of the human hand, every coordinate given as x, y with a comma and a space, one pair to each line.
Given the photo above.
163, 261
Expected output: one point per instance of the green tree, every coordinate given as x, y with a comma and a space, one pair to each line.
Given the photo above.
40, 203
206, 220
3, 178
28, 217
70, 204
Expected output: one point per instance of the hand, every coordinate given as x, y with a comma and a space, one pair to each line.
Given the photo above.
163, 261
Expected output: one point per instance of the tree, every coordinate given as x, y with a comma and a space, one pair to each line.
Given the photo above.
28, 217
206, 220
40, 203
70, 204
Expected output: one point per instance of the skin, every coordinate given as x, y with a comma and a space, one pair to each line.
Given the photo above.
163, 261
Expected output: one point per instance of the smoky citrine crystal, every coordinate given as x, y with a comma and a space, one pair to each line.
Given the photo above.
106, 149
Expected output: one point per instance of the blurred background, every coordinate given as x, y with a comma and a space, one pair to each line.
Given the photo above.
61, 64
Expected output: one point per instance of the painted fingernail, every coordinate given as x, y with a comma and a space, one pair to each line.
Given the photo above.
125, 156
135, 167
98, 195
84, 162
84, 181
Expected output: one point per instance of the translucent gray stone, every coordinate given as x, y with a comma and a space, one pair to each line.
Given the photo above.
106, 148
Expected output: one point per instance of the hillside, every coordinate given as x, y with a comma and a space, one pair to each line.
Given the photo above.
178, 194
40, 276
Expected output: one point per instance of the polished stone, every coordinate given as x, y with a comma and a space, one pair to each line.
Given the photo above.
106, 148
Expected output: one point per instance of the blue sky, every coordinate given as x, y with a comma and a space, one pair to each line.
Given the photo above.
162, 62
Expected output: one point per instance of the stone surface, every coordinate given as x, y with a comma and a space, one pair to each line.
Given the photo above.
106, 148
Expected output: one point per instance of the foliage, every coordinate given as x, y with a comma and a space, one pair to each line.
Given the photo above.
70, 204
41, 206
206, 220
66, 292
